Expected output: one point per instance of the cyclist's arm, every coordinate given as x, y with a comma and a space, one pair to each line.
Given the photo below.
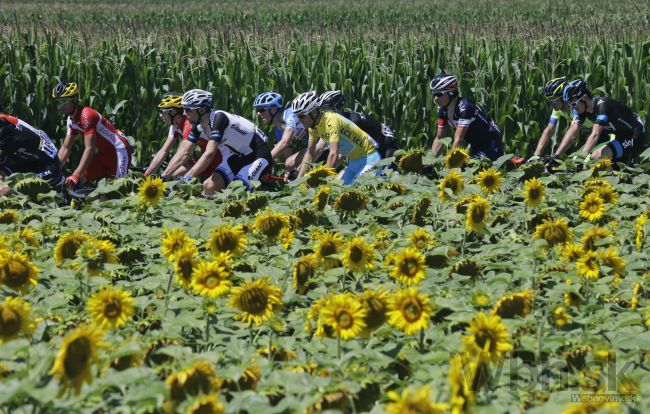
544, 139
285, 142
64, 151
461, 131
596, 130
88, 154
437, 146
206, 158
333, 156
568, 139
183, 153
160, 156
309, 156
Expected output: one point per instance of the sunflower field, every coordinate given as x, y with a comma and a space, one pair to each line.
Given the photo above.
475, 289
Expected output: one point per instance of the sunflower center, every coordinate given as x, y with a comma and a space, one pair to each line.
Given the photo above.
344, 319
254, 300
151, 191
327, 248
534, 193
16, 274
593, 208
77, 358
226, 242
411, 310
9, 322
185, 269
69, 249
485, 337
420, 243
410, 267
112, 308
356, 254
478, 214
212, 281
488, 181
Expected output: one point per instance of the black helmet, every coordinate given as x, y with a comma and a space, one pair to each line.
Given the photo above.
575, 90
554, 88
331, 100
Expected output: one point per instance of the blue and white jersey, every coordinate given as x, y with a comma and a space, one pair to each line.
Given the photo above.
291, 120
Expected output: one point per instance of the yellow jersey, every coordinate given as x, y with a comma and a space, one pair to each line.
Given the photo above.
353, 142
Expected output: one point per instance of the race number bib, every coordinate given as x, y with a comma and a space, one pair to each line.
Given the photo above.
46, 145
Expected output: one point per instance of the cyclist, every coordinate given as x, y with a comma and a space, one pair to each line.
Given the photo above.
472, 124
380, 132
171, 111
291, 136
107, 152
342, 135
245, 155
608, 117
24, 148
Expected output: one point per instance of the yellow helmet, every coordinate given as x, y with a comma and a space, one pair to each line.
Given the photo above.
65, 90
171, 100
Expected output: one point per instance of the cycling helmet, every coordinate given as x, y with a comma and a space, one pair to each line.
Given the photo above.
65, 90
268, 100
575, 90
554, 88
171, 100
331, 100
443, 83
305, 103
196, 98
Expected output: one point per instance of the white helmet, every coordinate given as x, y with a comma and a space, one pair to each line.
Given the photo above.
443, 83
197, 98
305, 103
331, 99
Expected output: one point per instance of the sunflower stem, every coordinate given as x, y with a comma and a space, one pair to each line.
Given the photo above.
250, 333
338, 346
207, 327
167, 291
421, 342
462, 247
271, 346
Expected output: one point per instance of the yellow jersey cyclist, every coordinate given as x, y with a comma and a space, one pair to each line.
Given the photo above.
609, 117
341, 134
290, 134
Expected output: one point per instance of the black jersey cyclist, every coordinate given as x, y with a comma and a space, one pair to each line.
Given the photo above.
24, 148
382, 134
245, 154
609, 117
472, 124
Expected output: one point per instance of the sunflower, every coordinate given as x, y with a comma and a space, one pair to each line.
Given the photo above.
411, 161
462, 383
488, 338
639, 230
270, 223
286, 237
207, 404
358, 255
211, 279
151, 191
350, 202
227, 239
327, 244
489, 180
554, 231
421, 239
453, 182
604, 164
303, 273
477, 214
17, 272
318, 175
592, 207
256, 301
234, 209
408, 266
560, 316
414, 403
481, 300
534, 192
307, 216
78, 352
322, 196
95, 254
375, 303
24, 238
456, 158
172, 241
110, 308
184, 264
313, 314
345, 315
515, 304
197, 379
9, 217
67, 246
587, 265
397, 188
467, 267
409, 311
611, 259
571, 252
592, 237
15, 319
419, 215
607, 194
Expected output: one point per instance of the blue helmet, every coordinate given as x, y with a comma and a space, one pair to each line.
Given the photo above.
268, 100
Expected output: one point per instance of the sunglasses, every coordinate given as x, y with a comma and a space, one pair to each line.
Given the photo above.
554, 101
574, 104
439, 94
64, 102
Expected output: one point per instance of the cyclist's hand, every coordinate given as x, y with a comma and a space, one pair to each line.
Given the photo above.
72, 181
534, 158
